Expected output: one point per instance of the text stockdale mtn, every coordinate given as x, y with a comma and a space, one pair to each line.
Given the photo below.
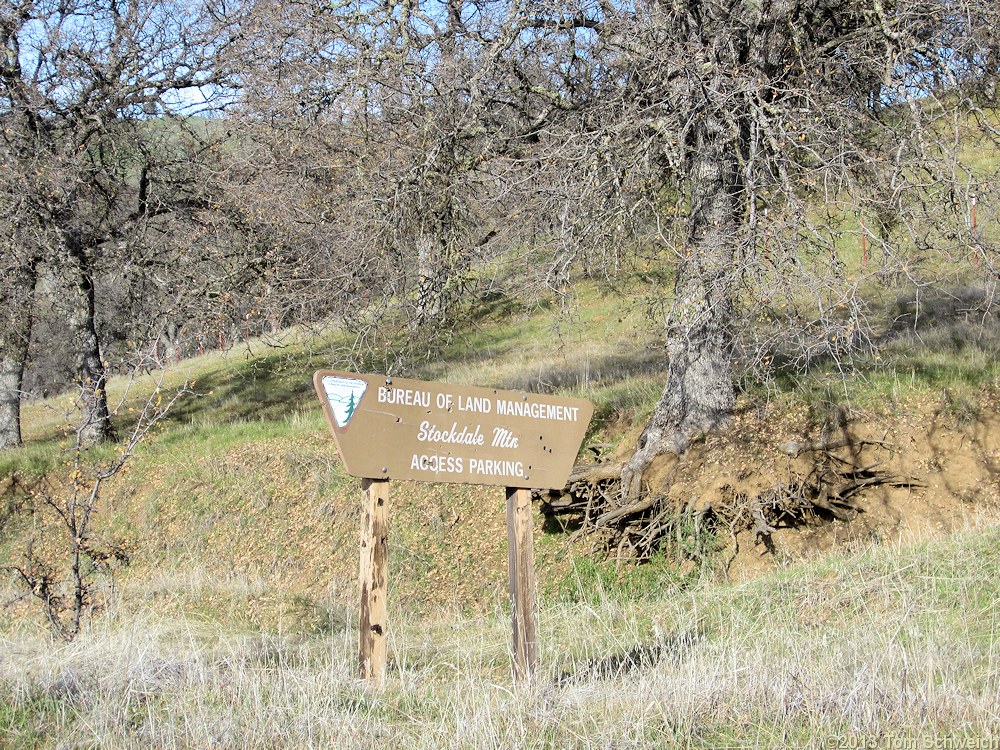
439, 432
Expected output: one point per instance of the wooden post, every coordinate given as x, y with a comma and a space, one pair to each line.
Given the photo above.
374, 558
521, 566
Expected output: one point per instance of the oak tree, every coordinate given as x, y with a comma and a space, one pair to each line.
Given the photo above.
739, 137
83, 86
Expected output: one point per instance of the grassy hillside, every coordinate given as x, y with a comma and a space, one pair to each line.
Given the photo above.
242, 478
233, 624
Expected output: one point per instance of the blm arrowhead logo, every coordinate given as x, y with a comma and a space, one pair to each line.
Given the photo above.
344, 395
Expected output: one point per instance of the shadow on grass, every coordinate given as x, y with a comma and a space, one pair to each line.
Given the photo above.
268, 387
263, 388
945, 338
676, 648
590, 371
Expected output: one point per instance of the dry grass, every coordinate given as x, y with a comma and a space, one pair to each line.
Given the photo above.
878, 646
872, 647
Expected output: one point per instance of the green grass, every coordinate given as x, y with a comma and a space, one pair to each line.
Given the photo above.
33, 460
594, 580
243, 471
25, 720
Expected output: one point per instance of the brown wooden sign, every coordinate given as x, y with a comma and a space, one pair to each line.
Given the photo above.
393, 428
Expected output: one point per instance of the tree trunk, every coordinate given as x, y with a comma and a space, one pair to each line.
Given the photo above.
699, 394
14, 336
95, 425
170, 341
429, 282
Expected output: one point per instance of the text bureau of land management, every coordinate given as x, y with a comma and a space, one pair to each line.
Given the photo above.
502, 407
468, 435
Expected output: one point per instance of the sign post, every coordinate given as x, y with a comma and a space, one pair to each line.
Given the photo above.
374, 577
389, 428
521, 572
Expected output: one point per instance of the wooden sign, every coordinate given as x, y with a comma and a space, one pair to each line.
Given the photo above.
392, 428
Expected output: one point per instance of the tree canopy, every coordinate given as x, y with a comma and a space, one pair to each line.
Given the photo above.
385, 162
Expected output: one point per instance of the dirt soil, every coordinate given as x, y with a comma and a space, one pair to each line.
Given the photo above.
281, 531
944, 457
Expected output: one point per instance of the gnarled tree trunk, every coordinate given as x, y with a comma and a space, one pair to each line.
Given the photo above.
432, 272
699, 394
95, 425
168, 342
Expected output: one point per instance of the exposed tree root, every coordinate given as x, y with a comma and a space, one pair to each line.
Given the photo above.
830, 489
